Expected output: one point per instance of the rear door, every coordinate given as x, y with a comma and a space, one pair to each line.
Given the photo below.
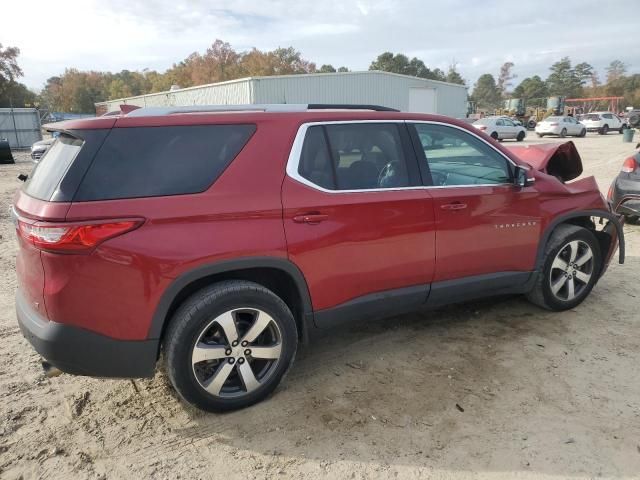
486, 224
357, 220
510, 129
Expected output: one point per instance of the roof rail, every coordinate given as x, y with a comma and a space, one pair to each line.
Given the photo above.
276, 107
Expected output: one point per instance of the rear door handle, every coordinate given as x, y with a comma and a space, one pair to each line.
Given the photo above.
453, 206
310, 218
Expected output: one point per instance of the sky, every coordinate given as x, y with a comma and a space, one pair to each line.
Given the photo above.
478, 35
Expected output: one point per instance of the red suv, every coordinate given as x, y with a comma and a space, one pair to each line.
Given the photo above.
223, 236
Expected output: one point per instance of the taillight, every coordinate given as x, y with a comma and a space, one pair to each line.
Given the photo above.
482, 127
72, 238
629, 165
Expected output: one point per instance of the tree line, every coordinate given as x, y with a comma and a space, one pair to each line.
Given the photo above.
564, 79
77, 91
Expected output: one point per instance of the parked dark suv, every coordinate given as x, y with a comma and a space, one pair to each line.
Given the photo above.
223, 236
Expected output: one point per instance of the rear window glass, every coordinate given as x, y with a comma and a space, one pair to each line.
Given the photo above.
47, 174
155, 161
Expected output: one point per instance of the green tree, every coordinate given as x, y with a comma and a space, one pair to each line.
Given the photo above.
11, 92
327, 69
615, 70
563, 81
584, 72
453, 76
343, 70
505, 78
486, 93
399, 63
533, 90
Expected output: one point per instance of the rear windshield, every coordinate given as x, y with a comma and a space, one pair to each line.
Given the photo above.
46, 176
483, 121
155, 161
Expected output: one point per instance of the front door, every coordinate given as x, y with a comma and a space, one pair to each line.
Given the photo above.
357, 220
485, 224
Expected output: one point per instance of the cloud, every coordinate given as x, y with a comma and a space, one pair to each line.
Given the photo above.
478, 36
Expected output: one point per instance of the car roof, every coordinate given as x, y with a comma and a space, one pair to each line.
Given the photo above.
237, 117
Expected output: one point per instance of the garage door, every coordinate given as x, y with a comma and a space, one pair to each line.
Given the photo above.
422, 100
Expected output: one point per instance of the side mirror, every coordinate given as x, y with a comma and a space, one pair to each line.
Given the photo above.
521, 179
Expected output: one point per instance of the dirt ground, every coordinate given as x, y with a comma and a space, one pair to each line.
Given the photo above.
496, 389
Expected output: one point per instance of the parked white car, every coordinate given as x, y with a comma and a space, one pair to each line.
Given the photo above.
562, 126
603, 122
501, 128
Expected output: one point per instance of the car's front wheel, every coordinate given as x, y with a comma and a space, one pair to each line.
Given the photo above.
571, 267
229, 345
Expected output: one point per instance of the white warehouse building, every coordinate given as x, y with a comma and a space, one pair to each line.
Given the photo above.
405, 93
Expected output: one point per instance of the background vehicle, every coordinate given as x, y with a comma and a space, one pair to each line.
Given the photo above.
279, 220
561, 126
501, 128
624, 193
602, 122
39, 148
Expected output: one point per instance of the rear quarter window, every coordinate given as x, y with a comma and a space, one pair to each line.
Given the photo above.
48, 173
155, 161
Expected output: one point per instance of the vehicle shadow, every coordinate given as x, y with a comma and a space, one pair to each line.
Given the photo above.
497, 385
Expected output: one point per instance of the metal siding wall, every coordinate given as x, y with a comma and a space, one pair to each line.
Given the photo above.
362, 87
27, 126
225, 94
378, 88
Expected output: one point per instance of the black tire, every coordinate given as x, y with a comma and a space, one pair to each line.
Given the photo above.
563, 133
196, 315
531, 125
520, 136
494, 135
623, 128
604, 130
540, 135
632, 219
583, 133
542, 294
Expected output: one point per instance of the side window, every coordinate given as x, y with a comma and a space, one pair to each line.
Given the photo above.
455, 157
500, 123
607, 116
508, 123
155, 161
354, 156
315, 161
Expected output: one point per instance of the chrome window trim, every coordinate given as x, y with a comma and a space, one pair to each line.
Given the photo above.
293, 161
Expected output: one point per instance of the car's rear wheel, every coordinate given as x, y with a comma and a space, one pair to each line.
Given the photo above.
563, 133
583, 132
540, 135
604, 130
571, 268
520, 136
229, 345
494, 135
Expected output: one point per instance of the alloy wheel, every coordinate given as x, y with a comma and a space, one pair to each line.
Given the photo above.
571, 270
236, 352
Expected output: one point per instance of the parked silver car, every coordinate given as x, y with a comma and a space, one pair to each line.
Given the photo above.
561, 126
38, 149
501, 128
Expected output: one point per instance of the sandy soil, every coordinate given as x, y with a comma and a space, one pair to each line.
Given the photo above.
491, 389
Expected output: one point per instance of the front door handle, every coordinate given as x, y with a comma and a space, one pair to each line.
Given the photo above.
310, 218
453, 206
